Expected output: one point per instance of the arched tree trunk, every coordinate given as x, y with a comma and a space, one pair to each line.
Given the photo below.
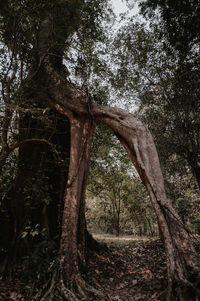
183, 262
46, 85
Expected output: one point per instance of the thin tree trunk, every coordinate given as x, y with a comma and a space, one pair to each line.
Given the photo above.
194, 162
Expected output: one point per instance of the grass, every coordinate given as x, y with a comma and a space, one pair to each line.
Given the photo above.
121, 240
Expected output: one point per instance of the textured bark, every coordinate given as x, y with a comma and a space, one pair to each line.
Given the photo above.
74, 226
195, 166
4, 138
39, 177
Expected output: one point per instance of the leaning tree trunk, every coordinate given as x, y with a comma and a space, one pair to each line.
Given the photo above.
182, 259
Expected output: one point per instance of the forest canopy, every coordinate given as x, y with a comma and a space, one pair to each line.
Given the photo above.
66, 68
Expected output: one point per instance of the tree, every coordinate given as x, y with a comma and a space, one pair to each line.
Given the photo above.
48, 86
181, 21
38, 139
111, 185
119, 208
166, 89
139, 144
117, 202
178, 26
155, 72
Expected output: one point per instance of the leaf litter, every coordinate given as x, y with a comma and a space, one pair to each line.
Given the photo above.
133, 271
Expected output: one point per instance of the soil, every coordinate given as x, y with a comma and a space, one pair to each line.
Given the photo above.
123, 269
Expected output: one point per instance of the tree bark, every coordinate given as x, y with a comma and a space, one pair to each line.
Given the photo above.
26, 202
73, 240
194, 162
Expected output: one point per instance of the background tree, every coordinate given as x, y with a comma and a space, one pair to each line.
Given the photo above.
180, 20
117, 202
166, 90
181, 31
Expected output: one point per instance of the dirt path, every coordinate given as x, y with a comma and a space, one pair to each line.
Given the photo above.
130, 270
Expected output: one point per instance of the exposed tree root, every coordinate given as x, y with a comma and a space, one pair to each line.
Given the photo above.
71, 291
79, 290
68, 294
49, 292
182, 289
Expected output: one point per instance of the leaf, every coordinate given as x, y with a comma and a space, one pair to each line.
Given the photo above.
97, 272
24, 234
15, 296
134, 282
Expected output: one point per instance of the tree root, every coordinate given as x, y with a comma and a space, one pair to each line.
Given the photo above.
98, 292
91, 290
49, 292
180, 290
68, 294
80, 290
71, 291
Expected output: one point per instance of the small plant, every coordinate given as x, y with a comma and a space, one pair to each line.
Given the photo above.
42, 259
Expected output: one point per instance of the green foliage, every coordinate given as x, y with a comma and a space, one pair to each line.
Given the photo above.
164, 78
182, 190
159, 66
166, 85
21, 23
42, 259
8, 174
181, 21
117, 201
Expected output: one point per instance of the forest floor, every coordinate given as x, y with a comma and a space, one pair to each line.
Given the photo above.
130, 269
125, 269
